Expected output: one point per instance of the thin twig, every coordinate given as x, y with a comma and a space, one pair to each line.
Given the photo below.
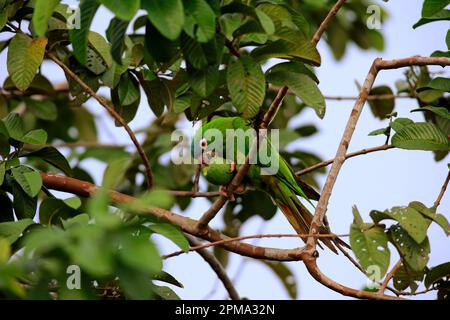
256, 236
326, 22
389, 276
347, 156
217, 267
441, 194
112, 112
198, 170
374, 97
193, 194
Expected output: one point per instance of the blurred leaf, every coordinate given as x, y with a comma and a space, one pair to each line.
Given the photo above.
167, 16
114, 172
43, 109
285, 275
11, 231
53, 211
139, 252
172, 233
116, 35
381, 108
123, 10
43, 10
168, 278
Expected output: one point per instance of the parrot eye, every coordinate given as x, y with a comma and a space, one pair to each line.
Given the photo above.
203, 144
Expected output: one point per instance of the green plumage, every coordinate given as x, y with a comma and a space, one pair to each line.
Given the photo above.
283, 187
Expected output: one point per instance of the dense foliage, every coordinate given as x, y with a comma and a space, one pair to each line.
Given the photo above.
190, 59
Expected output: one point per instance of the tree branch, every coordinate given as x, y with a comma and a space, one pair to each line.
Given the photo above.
314, 271
443, 189
217, 267
339, 159
112, 112
87, 189
347, 156
389, 277
326, 22
257, 236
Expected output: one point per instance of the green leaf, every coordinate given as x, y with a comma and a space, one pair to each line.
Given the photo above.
421, 136
79, 36
94, 62
200, 21
73, 202
115, 172
25, 55
7, 213
443, 112
370, 247
42, 109
204, 82
116, 35
246, 84
266, 21
399, 123
291, 44
24, 205
285, 275
53, 211
14, 126
140, 252
303, 87
101, 46
431, 7
172, 233
43, 10
52, 156
440, 83
416, 255
165, 293
168, 278
405, 277
437, 273
377, 132
430, 213
409, 218
2, 172
128, 89
166, 15
381, 108
11, 231
38, 136
124, 10
79, 220
5, 251
30, 181
442, 15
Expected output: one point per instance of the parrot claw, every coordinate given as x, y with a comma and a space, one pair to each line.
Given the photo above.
224, 192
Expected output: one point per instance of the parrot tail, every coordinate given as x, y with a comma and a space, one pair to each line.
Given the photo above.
300, 218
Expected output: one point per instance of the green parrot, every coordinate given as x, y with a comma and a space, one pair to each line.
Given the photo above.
283, 186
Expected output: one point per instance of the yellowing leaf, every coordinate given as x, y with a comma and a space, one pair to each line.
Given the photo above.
25, 55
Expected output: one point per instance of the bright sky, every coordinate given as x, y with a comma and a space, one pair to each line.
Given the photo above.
377, 181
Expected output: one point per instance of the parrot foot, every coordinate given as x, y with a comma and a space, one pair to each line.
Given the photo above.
224, 192
232, 167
